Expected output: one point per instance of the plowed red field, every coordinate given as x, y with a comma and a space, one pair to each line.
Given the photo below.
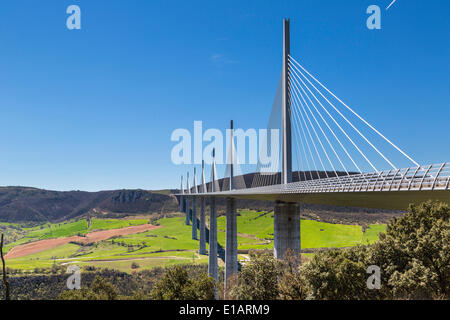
42, 245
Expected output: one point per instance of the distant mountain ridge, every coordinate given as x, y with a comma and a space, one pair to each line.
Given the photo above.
23, 204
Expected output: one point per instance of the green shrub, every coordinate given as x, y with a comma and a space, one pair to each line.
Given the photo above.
177, 285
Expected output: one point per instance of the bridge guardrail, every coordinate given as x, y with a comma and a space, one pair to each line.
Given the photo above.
422, 178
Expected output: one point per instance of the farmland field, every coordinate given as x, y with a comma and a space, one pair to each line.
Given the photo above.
171, 243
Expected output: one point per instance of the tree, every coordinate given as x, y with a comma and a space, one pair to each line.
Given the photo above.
104, 289
5, 280
177, 285
205, 287
414, 254
292, 283
258, 279
338, 274
100, 289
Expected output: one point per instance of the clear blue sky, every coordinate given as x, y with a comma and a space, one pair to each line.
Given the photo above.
94, 109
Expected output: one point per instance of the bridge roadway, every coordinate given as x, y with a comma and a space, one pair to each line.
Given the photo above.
394, 189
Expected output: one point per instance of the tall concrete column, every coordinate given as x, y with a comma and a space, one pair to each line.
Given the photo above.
212, 266
231, 262
194, 218
181, 196
182, 203
286, 170
188, 205
202, 244
187, 210
286, 229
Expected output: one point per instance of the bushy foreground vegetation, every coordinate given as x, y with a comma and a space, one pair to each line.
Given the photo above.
96, 284
413, 256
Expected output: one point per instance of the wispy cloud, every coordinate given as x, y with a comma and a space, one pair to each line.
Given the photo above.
220, 58
390, 4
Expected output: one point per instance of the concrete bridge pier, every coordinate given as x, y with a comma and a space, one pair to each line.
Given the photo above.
231, 261
181, 201
212, 266
194, 218
202, 243
286, 229
181, 198
187, 211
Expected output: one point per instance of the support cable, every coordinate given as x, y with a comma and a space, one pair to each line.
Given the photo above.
297, 150
303, 149
342, 130
348, 121
307, 143
351, 110
309, 133
332, 131
318, 138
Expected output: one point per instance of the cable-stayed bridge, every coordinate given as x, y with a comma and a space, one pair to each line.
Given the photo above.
339, 158
392, 189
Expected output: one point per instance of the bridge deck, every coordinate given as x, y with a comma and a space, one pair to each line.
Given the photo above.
393, 189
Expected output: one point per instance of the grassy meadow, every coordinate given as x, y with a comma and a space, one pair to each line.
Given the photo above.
172, 243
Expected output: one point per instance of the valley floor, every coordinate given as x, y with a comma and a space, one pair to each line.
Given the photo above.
134, 244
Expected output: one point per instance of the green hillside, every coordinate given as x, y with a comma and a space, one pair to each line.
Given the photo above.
71, 228
172, 243
314, 234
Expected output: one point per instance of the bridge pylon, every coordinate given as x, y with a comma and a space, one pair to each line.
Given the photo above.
286, 229
202, 227
188, 205
231, 261
286, 214
213, 263
286, 170
194, 208
181, 198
